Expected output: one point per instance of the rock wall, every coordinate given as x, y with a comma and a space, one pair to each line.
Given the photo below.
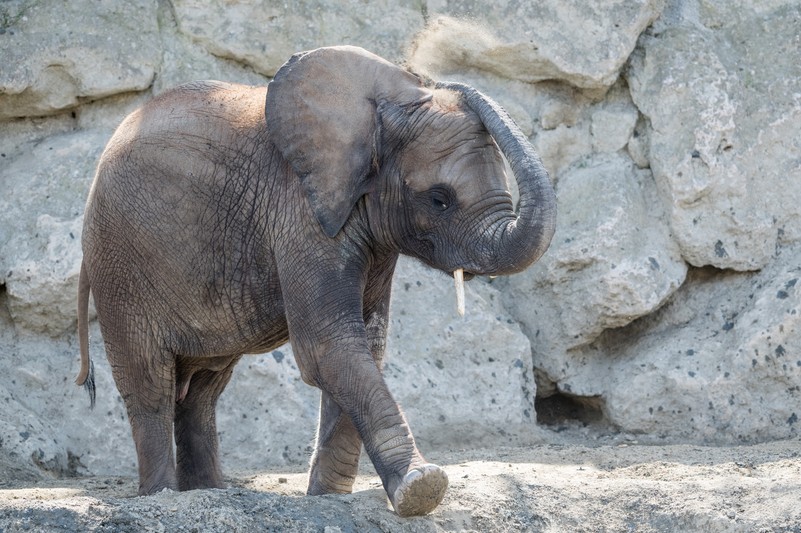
667, 305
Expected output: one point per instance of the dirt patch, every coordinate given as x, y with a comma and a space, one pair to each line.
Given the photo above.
561, 486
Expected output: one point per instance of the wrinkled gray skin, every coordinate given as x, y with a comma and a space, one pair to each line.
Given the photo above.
217, 226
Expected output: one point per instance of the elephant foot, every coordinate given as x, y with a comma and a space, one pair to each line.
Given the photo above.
420, 491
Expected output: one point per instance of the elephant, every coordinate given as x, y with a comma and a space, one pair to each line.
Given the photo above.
226, 219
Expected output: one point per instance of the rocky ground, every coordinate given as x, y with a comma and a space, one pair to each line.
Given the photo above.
573, 482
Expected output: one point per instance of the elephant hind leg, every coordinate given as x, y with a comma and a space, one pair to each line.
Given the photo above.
336, 456
197, 444
145, 379
152, 435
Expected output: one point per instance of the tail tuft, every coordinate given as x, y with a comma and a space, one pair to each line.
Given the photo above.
89, 384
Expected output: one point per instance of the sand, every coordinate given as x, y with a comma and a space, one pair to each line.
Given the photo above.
568, 484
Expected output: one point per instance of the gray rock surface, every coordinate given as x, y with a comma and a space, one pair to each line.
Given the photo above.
264, 36
463, 381
721, 360
721, 155
41, 218
611, 261
579, 43
56, 55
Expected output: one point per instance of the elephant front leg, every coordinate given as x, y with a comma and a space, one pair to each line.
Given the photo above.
414, 486
334, 341
357, 406
335, 462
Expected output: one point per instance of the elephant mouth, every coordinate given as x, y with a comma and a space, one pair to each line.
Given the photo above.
465, 274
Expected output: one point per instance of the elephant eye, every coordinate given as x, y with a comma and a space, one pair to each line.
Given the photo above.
439, 199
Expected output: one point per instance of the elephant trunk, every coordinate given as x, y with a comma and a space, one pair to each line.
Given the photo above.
521, 239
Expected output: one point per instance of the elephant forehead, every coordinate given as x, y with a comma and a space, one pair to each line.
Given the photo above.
465, 158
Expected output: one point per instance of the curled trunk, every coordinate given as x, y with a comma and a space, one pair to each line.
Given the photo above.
525, 237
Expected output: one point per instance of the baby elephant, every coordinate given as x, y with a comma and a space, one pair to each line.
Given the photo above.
227, 219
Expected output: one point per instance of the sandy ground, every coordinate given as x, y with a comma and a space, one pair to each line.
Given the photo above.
566, 485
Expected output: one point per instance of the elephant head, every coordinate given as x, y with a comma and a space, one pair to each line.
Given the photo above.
425, 159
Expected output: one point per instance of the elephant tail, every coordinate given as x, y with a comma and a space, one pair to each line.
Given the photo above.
86, 376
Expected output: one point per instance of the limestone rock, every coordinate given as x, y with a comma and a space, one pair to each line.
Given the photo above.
42, 289
721, 156
637, 147
59, 54
45, 420
264, 36
565, 125
184, 60
719, 362
611, 261
612, 121
582, 44
41, 214
27, 439
563, 146
575, 127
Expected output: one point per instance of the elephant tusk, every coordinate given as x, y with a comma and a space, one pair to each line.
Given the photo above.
458, 278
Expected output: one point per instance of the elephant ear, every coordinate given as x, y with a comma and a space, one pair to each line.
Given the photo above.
321, 115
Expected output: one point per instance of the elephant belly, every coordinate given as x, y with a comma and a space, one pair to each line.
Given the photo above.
239, 319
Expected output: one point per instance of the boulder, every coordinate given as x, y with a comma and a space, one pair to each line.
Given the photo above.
574, 127
41, 213
183, 60
719, 363
613, 120
39, 286
581, 44
57, 55
611, 261
265, 36
28, 440
563, 146
267, 414
50, 426
712, 359
721, 157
